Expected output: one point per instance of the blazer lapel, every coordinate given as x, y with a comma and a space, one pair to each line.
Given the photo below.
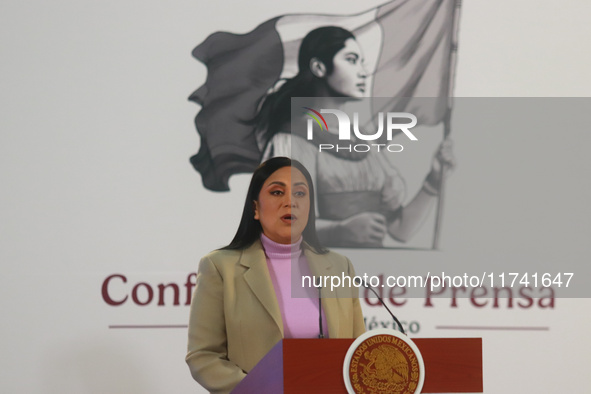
259, 280
321, 266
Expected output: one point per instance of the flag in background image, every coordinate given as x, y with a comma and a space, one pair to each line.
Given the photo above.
408, 45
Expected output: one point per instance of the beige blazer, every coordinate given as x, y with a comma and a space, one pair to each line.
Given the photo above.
235, 318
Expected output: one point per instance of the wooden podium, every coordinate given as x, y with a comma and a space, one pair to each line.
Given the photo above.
452, 365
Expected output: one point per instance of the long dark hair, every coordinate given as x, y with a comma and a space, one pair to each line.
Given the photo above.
322, 43
250, 229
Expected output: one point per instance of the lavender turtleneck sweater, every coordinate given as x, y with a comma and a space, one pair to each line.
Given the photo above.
299, 314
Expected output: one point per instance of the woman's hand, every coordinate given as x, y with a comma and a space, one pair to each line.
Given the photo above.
443, 161
363, 229
444, 158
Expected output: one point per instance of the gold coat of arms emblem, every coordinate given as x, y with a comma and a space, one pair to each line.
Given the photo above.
383, 361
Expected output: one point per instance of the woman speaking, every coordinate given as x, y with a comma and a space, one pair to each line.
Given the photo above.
243, 305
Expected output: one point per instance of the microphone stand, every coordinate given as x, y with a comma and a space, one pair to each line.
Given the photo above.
385, 306
321, 335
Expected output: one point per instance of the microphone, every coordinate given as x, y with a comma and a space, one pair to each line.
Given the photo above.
385, 306
321, 335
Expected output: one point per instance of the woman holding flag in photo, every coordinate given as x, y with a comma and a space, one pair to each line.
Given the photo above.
359, 194
252, 77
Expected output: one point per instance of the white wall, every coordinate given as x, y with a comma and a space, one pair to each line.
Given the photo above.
96, 133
